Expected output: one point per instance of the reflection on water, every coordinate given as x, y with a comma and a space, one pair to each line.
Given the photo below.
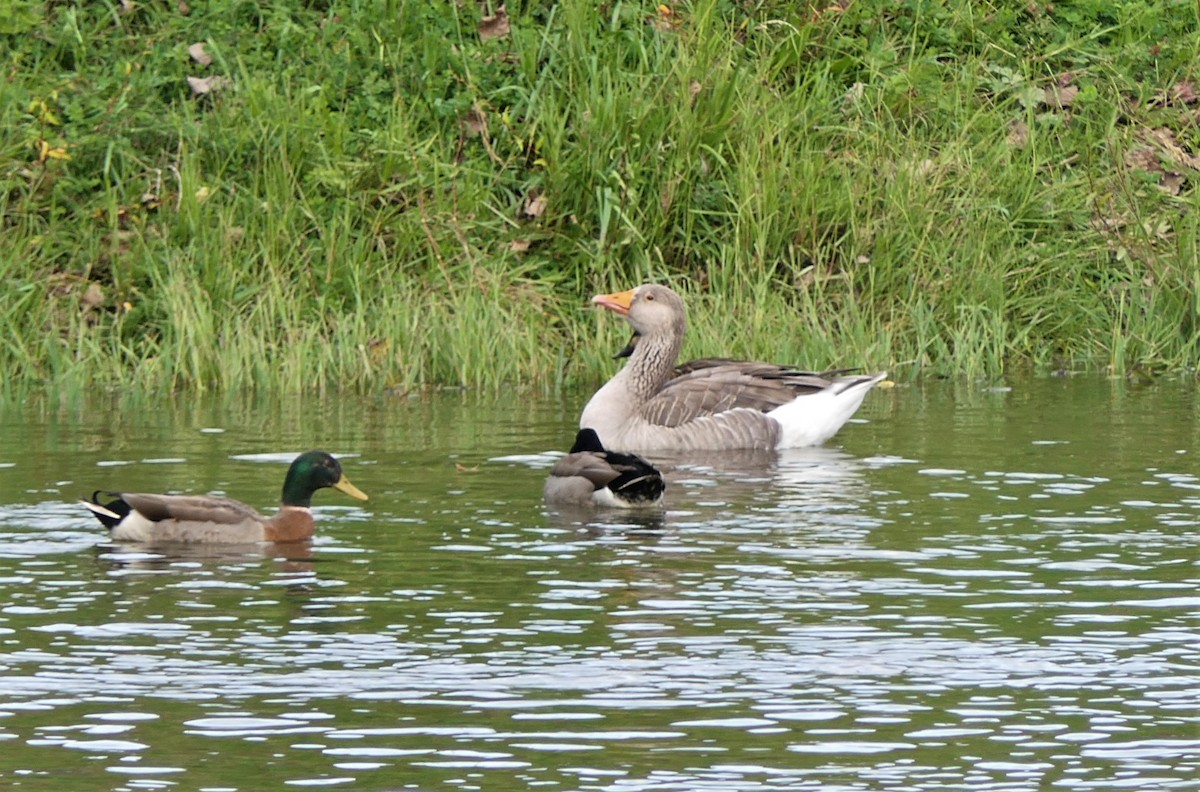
970, 588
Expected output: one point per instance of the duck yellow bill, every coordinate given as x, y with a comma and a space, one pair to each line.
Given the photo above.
343, 484
617, 302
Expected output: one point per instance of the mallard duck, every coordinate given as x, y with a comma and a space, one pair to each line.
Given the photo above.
139, 517
714, 403
590, 474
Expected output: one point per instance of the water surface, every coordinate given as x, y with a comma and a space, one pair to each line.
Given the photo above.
971, 586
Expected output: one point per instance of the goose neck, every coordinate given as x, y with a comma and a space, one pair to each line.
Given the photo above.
652, 363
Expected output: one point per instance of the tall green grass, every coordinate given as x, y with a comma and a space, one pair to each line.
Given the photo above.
381, 198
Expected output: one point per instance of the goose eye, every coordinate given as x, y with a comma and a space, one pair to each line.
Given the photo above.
649, 296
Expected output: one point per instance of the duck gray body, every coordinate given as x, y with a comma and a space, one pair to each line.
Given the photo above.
591, 474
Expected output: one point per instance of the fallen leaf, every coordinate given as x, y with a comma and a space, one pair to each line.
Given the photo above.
1110, 224
1167, 141
461, 468
1018, 133
535, 205
667, 196
494, 26
48, 152
665, 19
92, 297
206, 85
694, 89
1171, 182
1144, 158
474, 122
922, 169
1061, 97
1160, 230
1183, 93
183, 7
199, 54
519, 245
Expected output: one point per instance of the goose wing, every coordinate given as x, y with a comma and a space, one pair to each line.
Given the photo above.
714, 385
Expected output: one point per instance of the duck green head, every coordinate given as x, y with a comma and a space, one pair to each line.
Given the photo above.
311, 471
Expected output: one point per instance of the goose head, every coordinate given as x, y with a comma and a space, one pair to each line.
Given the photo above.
653, 310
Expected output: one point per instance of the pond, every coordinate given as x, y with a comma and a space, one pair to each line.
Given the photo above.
994, 587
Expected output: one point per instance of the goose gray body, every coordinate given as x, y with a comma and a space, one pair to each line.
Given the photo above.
714, 403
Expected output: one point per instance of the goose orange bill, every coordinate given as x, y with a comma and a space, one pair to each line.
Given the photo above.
617, 302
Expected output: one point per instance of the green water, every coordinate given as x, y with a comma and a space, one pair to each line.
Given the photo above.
970, 587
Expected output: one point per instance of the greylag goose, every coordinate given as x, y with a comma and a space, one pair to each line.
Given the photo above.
589, 474
140, 517
714, 403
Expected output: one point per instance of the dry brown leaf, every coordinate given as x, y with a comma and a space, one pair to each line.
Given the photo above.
1061, 97
199, 54
183, 7
694, 89
1183, 93
1145, 158
1018, 133
206, 85
1167, 141
1110, 224
667, 196
519, 245
494, 26
665, 19
461, 468
1171, 182
535, 205
1180, 94
474, 122
92, 297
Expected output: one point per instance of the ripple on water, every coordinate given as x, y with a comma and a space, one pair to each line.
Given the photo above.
824, 621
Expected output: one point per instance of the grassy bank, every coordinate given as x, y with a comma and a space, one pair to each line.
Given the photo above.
388, 194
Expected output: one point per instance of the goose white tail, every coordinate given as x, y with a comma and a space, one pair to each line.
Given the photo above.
812, 419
